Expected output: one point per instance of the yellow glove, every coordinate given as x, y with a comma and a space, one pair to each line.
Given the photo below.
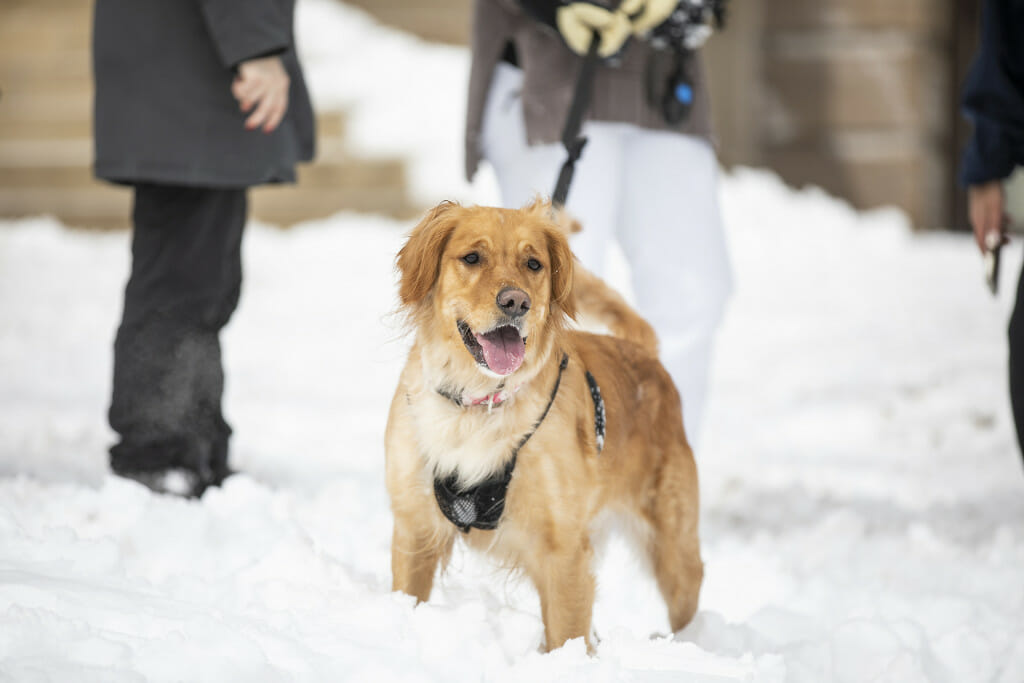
578, 21
651, 14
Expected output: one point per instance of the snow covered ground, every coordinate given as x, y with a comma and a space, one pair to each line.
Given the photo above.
862, 495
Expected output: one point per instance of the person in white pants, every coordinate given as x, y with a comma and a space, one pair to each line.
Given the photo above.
652, 191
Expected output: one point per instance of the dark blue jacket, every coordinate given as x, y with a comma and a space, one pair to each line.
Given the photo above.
993, 95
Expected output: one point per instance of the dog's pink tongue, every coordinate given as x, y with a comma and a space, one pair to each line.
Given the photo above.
503, 350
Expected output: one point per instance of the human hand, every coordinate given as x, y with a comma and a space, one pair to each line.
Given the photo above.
261, 86
986, 208
578, 21
651, 14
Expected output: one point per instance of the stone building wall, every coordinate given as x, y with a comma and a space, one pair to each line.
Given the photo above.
855, 96
857, 99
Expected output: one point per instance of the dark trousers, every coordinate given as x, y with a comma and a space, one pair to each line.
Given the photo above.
1016, 334
184, 285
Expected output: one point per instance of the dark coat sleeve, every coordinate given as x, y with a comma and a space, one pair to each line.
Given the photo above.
993, 95
243, 30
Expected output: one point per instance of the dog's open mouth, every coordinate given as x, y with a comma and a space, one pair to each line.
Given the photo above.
500, 350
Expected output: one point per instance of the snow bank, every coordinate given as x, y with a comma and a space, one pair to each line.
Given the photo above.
862, 495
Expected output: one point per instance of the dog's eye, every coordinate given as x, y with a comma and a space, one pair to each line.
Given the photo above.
533, 264
472, 258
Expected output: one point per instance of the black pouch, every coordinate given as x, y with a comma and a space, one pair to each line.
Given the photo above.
670, 84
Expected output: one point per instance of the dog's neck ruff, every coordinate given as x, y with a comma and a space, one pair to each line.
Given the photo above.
481, 506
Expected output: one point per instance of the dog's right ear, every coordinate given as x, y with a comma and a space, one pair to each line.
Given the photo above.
419, 261
562, 267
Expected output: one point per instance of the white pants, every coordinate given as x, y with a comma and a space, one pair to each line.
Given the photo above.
655, 194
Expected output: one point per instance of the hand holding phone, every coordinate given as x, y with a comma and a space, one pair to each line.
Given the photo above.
993, 244
986, 208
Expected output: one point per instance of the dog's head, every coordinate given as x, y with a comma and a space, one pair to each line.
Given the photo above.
495, 282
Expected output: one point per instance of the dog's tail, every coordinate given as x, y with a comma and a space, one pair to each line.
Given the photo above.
602, 304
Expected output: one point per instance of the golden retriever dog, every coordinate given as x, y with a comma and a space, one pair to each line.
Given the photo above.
513, 431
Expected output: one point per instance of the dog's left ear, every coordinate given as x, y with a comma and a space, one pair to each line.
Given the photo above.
561, 271
420, 259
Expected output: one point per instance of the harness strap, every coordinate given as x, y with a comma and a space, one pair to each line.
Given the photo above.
599, 413
481, 506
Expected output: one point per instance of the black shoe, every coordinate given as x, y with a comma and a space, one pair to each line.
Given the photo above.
170, 467
176, 481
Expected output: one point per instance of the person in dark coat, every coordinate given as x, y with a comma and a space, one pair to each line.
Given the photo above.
993, 100
196, 101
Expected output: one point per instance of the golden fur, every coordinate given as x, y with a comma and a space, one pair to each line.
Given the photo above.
561, 483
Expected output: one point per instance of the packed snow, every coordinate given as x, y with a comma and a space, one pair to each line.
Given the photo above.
862, 492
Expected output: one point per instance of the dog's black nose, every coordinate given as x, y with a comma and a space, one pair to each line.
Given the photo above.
513, 301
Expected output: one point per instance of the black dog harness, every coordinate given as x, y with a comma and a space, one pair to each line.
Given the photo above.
481, 506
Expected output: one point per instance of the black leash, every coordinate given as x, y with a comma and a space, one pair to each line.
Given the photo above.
571, 138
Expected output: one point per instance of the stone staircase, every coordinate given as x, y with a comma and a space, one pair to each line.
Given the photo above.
46, 143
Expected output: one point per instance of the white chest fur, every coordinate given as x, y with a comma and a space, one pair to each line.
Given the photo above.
471, 440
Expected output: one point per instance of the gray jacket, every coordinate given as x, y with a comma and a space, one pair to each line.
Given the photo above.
164, 112
549, 77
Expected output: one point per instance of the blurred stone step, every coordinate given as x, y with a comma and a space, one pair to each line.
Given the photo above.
96, 206
107, 206
55, 177
36, 27
52, 67
61, 151
46, 153
350, 174
29, 5
68, 141
287, 205
42, 129
31, 85
54, 115
49, 105
329, 133
353, 173
331, 124
17, 38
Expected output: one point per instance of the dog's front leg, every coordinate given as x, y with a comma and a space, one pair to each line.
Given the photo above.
417, 548
565, 583
422, 537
